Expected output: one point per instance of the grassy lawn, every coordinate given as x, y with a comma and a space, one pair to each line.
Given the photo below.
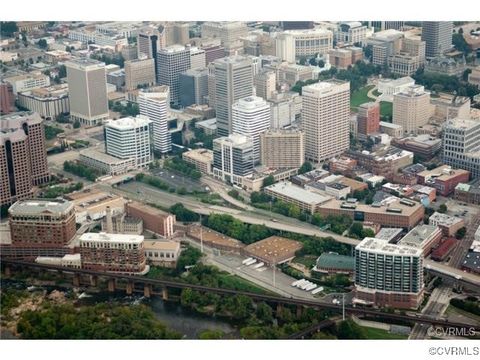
379, 334
360, 97
386, 109
308, 261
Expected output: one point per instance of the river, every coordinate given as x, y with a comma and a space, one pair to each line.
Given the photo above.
172, 314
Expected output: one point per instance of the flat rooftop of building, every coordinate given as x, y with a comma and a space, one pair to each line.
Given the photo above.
388, 234
414, 169
85, 62
105, 237
383, 247
161, 245
101, 156
15, 120
204, 155
215, 238
287, 189
443, 173
472, 261
148, 209
445, 219
88, 198
461, 124
353, 184
418, 235
472, 187
128, 122
335, 261
390, 125
406, 80
394, 207
40, 206
274, 248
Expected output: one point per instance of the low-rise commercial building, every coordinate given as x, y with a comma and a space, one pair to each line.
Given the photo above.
449, 224
105, 163
443, 178
332, 263
273, 250
469, 193
202, 159
28, 82
154, 219
291, 194
162, 252
442, 252
93, 204
399, 213
425, 146
113, 253
48, 102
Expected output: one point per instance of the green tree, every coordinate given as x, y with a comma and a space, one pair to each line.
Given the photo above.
42, 43
356, 230
76, 124
264, 312
348, 329
182, 213
269, 180
442, 209
211, 335
461, 233
8, 28
306, 167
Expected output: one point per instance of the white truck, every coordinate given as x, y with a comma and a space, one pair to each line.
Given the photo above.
244, 262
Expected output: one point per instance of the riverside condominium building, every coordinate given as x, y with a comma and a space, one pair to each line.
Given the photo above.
87, 87
326, 119
388, 275
129, 138
251, 117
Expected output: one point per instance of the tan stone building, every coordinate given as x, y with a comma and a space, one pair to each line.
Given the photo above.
411, 108
139, 72
202, 159
282, 148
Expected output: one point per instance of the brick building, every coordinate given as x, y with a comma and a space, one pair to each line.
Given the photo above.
154, 219
443, 178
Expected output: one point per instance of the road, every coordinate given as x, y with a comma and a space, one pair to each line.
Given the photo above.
436, 306
464, 245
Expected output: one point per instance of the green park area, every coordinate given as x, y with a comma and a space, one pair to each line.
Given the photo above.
360, 97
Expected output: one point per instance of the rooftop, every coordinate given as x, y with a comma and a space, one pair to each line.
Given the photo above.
40, 206
274, 249
392, 207
335, 261
444, 219
117, 238
204, 155
388, 234
442, 173
397, 82
162, 245
383, 247
472, 261
418, 235
101, 156
461, 124
128, 123
286, 188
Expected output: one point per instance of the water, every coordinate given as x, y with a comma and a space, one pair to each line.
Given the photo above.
176, 317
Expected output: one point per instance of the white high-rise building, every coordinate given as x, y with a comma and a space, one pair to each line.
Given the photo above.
326, 119
87, 86
233, 81
293, 44
129, 138
155, 104
251, 116
171, 62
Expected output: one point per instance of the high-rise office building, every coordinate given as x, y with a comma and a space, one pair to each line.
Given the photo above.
368, 118
177, 33
129, 138
7, 99
296, 25
461, 145
194, 87
197, 58
411, 108
265, 84
437, 36
211, 85
232, 158
251, 116
140, 72
282, 148
233, 81
23, 156
149, 42
388, 274
87, 87
172, 61
326, 119
154, 104
213, 52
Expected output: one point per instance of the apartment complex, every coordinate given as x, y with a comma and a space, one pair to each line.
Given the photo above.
461, 145
326, 118
411, 108
87, 86
388, 275
42, 223
129, 138
232, 158
154, 220
23, 156
282, 148
154, 104
233, 81
139, 72
251, 117
113, 253
171, 62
